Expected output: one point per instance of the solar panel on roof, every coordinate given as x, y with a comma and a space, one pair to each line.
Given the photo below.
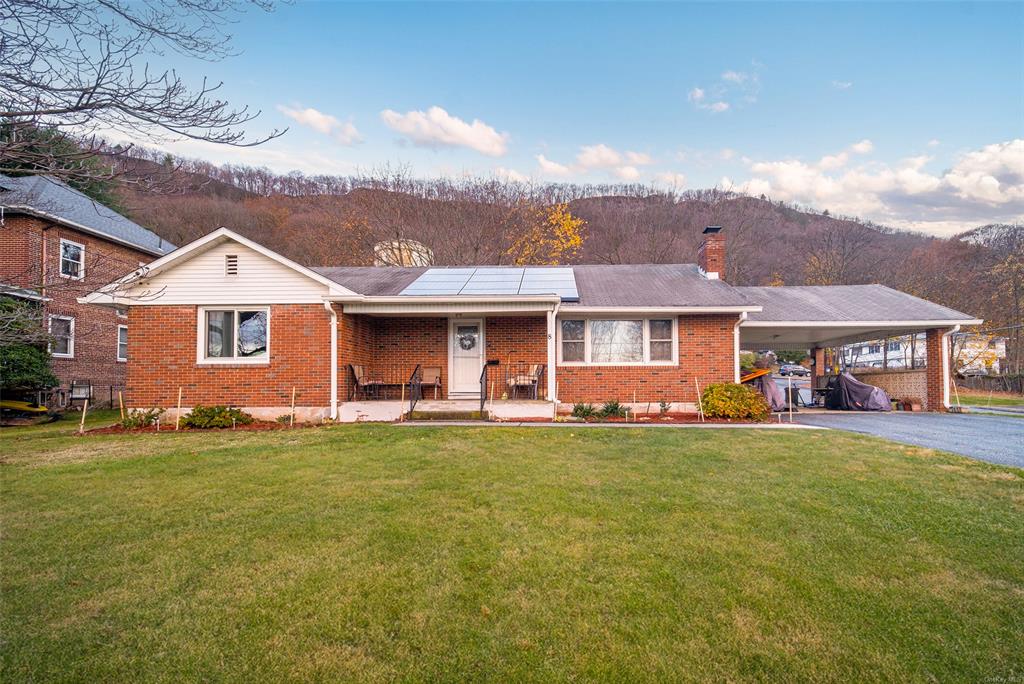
495, 281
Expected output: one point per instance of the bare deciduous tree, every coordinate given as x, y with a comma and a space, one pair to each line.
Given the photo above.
75, 71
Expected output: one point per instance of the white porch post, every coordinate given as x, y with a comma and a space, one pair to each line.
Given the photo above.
736, 348
945, 365
551, 354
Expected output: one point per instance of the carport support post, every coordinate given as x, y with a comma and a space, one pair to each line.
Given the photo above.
936, 341
818, 354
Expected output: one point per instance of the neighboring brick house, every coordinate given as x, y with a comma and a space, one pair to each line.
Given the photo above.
57, 245
226, 320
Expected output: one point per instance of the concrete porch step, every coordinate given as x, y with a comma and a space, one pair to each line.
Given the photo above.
447, 409
445, 415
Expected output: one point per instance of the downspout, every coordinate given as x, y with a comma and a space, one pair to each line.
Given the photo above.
552, 352
334, 359
736, 346
944, 346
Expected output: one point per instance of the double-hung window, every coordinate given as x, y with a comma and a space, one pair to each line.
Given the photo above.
606, 341
122, 343
62, 334
72, 260
234, 335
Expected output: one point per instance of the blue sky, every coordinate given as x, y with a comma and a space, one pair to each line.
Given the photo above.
910, 114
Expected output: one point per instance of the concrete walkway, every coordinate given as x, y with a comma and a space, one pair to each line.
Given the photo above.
986, 437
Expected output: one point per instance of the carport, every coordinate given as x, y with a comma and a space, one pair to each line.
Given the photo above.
818, 317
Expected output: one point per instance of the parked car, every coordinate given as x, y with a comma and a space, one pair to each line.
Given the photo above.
793, 369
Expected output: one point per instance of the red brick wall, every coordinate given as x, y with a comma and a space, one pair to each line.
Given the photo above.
933, 401
23, 241
706, 352
162, 349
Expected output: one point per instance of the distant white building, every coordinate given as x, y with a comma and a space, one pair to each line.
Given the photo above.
971, 352
402, 252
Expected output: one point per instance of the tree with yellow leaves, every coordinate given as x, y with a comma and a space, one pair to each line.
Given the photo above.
552, 236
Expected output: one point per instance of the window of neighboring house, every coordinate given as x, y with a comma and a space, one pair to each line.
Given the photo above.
617, 342
62, 332
122, 343
874, 349
895, 346
72, 259
234, 335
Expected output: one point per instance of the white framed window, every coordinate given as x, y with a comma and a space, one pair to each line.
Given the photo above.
122, 343
618, 342
62, 334
72, 259
233, 334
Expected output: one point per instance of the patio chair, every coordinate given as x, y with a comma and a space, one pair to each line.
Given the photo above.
363, 384
526, 382
431, 378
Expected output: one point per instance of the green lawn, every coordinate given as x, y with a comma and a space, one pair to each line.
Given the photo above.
376, 553
984, 399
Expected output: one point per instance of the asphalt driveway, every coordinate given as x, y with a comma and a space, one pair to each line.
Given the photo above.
986, 437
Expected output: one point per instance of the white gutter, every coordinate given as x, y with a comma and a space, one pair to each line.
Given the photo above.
736, 346
442, 299
944, 347
571, 309
862, 324
334, 359
552, 352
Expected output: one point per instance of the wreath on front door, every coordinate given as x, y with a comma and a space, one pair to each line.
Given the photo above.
467, 342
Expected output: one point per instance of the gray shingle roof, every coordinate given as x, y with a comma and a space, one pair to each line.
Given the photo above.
42, 194
627, 285
844, 303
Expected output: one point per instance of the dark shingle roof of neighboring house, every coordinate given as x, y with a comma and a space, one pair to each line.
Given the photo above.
49, 198
844, 303
619, 285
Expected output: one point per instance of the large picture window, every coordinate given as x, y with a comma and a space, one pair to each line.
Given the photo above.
72, 260
605, 341
235, 335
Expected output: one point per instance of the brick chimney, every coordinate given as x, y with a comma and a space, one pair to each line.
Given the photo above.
711, 253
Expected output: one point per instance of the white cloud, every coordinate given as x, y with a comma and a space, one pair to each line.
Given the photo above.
552, 168
437, 128
731, 88
982, 186
590, 158
863, 147
676, 181
627, 173
842, 85
598, 156
511, 175
934, 143
343, 131
726, 154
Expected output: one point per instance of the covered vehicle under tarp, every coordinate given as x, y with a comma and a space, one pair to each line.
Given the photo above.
847, 393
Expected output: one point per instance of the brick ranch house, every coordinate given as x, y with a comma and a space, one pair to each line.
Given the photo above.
57, 245
226, 320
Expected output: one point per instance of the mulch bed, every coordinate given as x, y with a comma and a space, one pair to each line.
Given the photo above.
656, 418
258, 426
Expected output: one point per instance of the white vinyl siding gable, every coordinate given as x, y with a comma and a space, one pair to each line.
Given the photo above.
203, 279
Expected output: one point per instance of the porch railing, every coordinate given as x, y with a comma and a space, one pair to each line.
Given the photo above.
483, 387
415, 387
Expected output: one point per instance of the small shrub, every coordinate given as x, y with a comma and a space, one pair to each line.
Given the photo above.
215, 417
613, 409
584, 410
734, 402
664, 406
747, 361
139, 418
284, 419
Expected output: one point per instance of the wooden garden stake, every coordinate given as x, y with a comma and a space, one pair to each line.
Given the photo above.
790, 398
401, 413
700, 404
292, 420
177, 415
85, 409
120, 401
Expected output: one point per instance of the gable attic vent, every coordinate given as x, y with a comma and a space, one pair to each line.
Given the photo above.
231, 264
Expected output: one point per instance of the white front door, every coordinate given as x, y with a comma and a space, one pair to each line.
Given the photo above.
466, 342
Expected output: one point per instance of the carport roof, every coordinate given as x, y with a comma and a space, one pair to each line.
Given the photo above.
845, 303
808, 316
